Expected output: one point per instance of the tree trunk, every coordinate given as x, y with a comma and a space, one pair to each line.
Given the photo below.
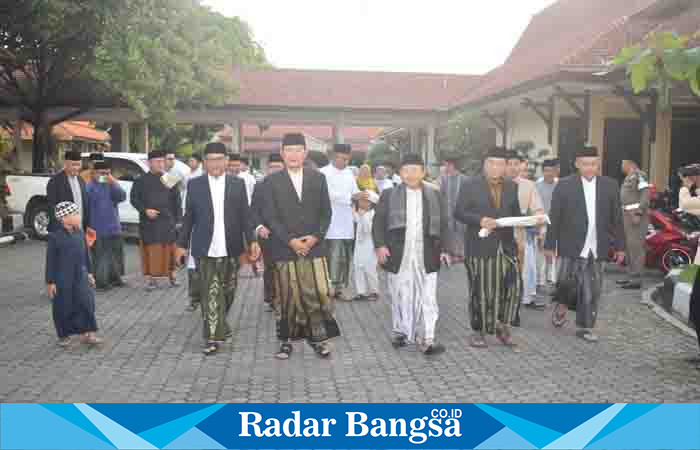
40, 142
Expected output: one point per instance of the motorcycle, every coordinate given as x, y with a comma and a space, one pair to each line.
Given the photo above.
672, 238
670, 242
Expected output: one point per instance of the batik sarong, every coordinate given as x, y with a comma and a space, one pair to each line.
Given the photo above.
339, 258
270, 284
586, 274
158, 260
305, 310
414, 307
218, 282
495, 289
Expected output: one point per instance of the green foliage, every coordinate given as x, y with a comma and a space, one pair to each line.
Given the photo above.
164, 53
661, 61
380, 153
469, 139
149, 55
357, 158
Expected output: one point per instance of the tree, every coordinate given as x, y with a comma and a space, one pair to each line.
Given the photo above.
469, 139
661, 61
380, 153
149, 55
46, 47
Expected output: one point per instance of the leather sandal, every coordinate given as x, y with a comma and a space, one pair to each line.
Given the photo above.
284, 352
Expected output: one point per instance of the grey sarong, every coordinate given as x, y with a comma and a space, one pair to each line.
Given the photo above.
586, 274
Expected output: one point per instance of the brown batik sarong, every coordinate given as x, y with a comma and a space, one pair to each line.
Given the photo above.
305, 310
158, 260
495, 288
218, 278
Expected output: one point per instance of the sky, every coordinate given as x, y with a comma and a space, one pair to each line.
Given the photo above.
444, 36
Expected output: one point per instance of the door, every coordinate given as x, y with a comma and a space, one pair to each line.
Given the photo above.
685, 136
572, 137
622, 140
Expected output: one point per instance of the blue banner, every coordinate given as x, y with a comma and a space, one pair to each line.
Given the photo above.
360, 425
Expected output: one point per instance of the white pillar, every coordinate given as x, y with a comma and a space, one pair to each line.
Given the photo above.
236, 136
142, 137
124, 132
414, 138
241, 137
430, 148
338, 137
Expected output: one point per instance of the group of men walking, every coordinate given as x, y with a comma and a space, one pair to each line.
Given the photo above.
309, 225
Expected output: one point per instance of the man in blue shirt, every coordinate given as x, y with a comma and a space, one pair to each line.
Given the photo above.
104, 195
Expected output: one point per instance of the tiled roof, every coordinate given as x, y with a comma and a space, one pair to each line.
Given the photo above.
634, 29
555, 37
270, 138
69, 131
349, 89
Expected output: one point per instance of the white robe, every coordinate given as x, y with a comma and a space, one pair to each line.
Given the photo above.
414, 305
249, 181
364, 260
341, 188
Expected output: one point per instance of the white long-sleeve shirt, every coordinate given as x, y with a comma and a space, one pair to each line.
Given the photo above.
591, 243
249, 181
217, 186
341, 188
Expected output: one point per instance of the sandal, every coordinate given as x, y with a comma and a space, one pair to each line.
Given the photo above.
63, 342
503, 333
285, 351
322, 350
94, 340
479, 342
210, 348
559, 319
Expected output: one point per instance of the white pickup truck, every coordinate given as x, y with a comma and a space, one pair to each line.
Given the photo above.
28, 192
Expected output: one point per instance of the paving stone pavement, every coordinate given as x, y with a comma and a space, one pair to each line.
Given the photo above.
153, 354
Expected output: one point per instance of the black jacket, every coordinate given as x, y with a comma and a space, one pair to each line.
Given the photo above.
395, 240
475, 203
567, 232
58, 190
148, 192
198, 223
289, 218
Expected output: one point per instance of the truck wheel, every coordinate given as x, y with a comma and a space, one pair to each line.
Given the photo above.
39, 221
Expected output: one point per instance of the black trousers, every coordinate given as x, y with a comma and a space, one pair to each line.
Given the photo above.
108, 254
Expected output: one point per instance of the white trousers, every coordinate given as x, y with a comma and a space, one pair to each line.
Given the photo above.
414, 308
546, 270
365, 279
530, 270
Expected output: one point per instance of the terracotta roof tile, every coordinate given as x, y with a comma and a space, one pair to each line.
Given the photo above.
68, 131
349, 89
564, 29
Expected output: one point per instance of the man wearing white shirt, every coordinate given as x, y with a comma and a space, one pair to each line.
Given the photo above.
383, 183
247, 177
586, 221
216, 224
296, 209
342, 190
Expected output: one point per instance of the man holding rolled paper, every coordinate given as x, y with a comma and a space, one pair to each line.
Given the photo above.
491, 254
634, 196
